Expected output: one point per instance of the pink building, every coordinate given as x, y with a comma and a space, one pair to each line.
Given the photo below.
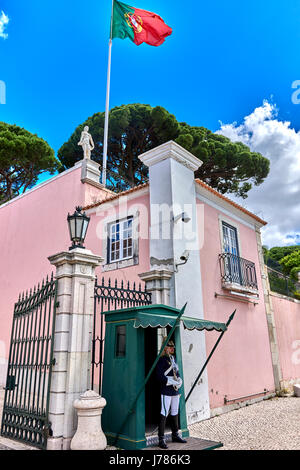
187, 242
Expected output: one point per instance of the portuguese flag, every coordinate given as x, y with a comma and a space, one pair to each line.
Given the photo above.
138, 25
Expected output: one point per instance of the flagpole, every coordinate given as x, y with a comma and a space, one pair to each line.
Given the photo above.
105, 141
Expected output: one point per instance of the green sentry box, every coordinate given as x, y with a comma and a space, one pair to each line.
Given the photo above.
125, 371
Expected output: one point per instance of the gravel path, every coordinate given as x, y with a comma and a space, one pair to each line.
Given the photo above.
268, 425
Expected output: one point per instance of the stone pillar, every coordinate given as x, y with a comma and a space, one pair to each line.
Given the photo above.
89, 434
75, 272
158, 284
274, 349
90, 172
172, 193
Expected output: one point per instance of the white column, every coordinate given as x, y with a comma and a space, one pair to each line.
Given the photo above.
90, 172
75, 271
158, 284
172, 192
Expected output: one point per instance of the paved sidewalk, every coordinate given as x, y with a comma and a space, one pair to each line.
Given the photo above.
9, 444
272, 424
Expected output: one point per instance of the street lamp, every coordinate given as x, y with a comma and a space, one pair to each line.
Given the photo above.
78, 225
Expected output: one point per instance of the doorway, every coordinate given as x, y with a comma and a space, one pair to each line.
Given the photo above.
153, 342
152, 391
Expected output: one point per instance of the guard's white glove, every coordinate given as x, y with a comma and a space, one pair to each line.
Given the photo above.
179, 383
171, 381
175, 382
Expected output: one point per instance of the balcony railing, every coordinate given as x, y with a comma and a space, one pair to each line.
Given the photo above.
237, 271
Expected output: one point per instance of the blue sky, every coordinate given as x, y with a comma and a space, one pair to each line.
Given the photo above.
220, 64
222, 60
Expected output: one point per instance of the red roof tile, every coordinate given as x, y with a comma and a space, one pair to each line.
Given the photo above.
116, 196
214, 191
198, 181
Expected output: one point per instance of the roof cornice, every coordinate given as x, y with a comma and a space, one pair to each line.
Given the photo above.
209, 190
173, 151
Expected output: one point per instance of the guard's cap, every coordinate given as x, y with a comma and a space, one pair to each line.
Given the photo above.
170, 343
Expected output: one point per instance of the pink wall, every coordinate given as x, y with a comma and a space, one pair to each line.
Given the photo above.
287, 322
33, 227
95, 234
98, 219
241, 364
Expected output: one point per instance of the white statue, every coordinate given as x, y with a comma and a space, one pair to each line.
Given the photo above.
86, 142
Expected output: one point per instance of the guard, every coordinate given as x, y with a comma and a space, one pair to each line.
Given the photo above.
170, 382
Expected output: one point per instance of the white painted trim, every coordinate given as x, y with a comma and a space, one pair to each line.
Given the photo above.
170, 150
121, 240
225, 211
222, 219
284, 297
110, 219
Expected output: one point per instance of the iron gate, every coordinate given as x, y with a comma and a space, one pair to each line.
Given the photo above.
26, 400
111, 297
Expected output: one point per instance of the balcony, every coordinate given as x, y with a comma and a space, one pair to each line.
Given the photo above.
238, 274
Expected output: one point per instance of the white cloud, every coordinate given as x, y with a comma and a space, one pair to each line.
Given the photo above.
4, 20
277, 200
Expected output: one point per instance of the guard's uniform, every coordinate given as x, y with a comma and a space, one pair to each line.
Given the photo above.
170, 395
164, 364
170, 382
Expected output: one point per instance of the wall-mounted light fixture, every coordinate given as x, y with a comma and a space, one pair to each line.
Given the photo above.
78, 225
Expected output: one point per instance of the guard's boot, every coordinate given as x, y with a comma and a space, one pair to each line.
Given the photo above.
161, 433
174, 428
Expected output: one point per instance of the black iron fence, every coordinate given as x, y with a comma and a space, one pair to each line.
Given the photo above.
237, 270
111, 296
26, 400
283, 284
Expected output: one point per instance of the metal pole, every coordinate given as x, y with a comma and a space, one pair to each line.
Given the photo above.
105, 141
207, 360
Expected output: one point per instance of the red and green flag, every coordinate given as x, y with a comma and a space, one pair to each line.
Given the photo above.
138, 25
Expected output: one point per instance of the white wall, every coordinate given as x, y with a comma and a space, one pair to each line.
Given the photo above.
172, 187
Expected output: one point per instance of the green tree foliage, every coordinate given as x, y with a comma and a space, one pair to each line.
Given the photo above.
23, 157
273, 256
291, 263
265, 253
285, 261
136, 128
228, 167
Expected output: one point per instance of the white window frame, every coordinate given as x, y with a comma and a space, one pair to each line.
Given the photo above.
233, 287
232, 265
106, 223
230, 229
122, 231
234, 225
